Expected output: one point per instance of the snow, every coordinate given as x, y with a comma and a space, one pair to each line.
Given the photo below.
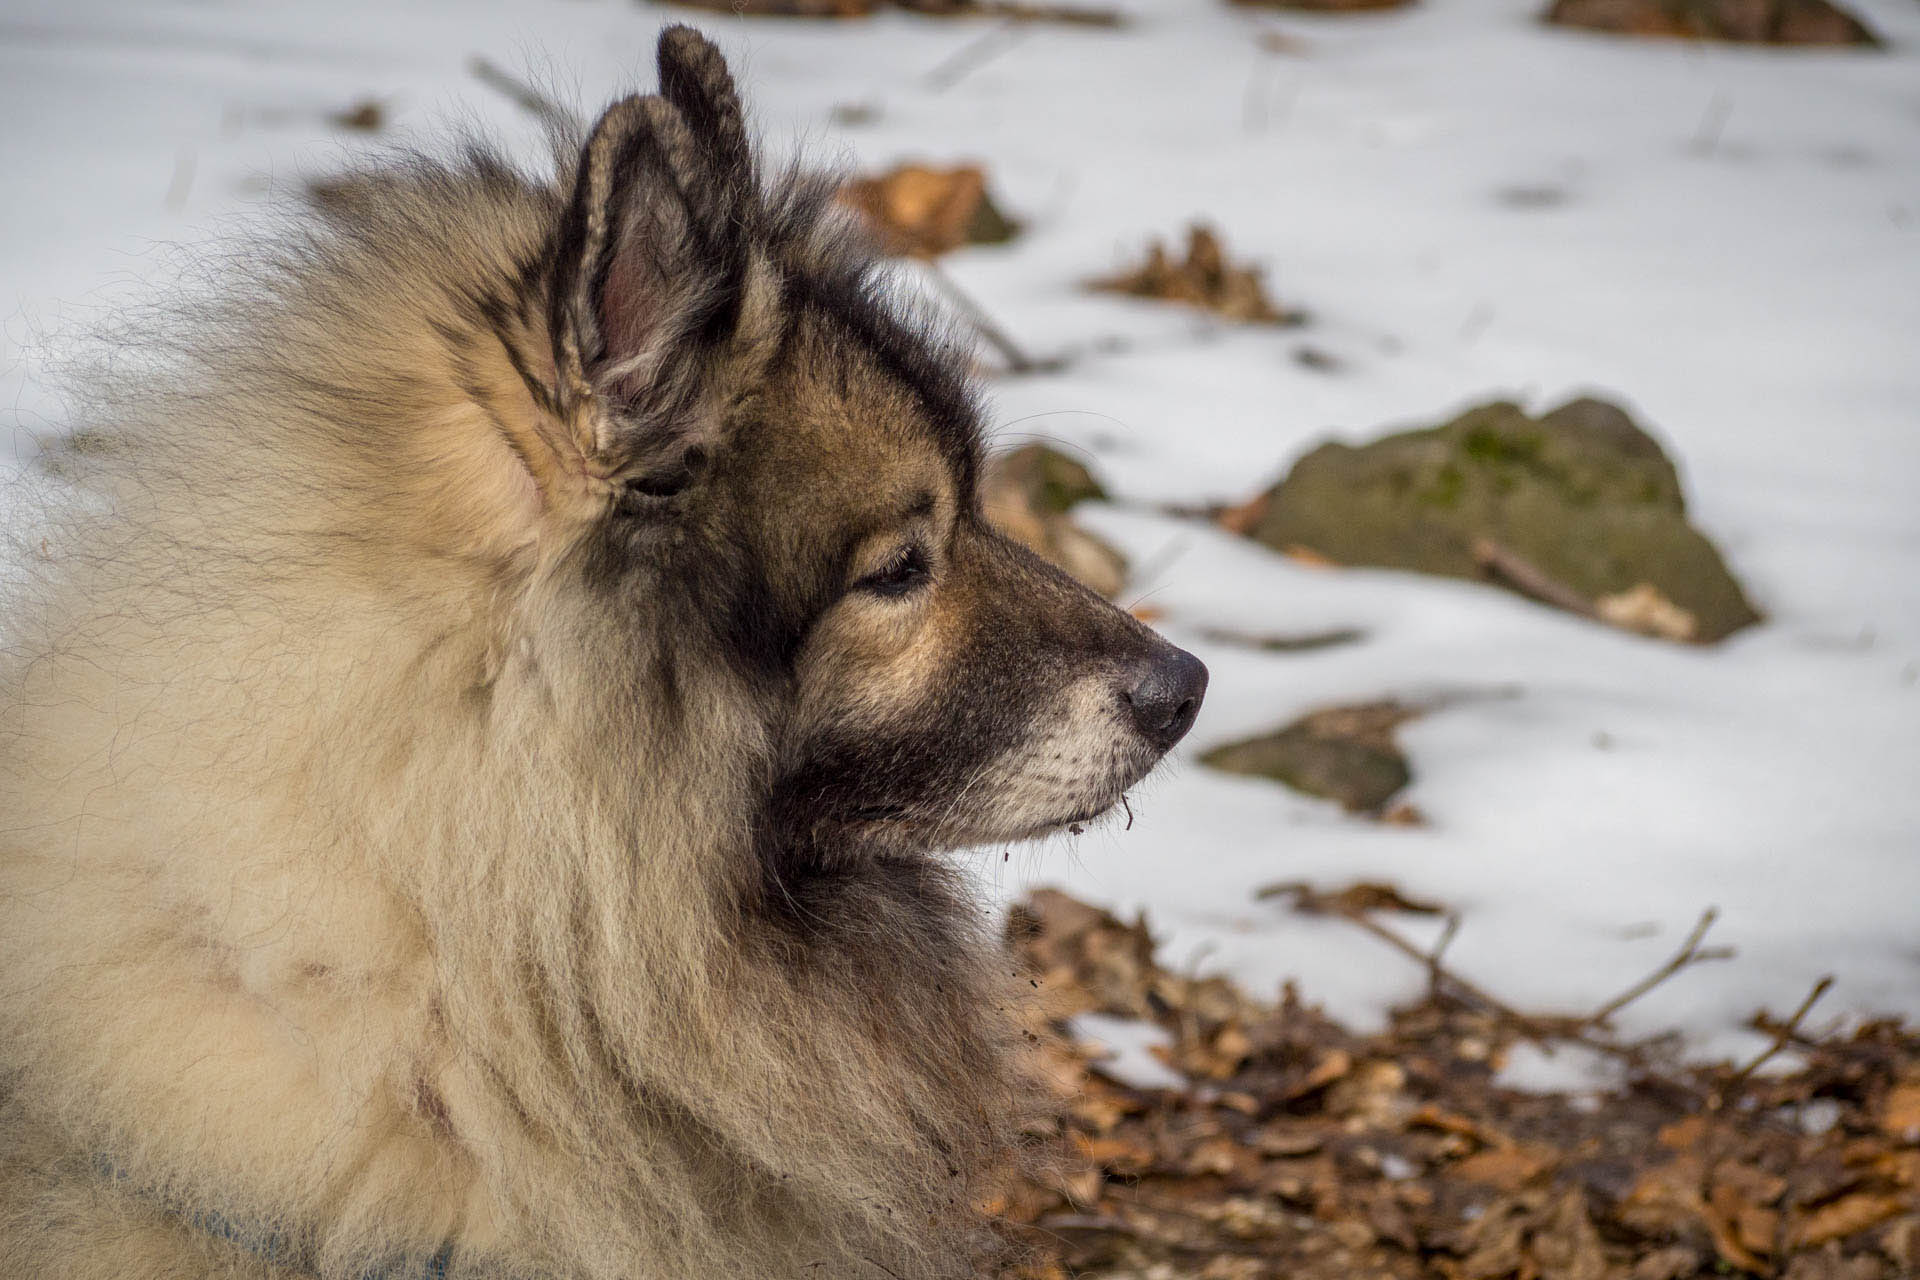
1124, 1050
1569, 1068
1470, 205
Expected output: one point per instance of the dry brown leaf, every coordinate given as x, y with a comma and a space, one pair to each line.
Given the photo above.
1332, 1065
1204, 278
1900, 1114
1116, 1155
1568, 1247
1642, 608
1433, 1117
1308, 558
919, 211
1743, 1231
1243, 518
1507, 1168
1844, 1217
1101, 1111
1666, 1199
1683, 1135
1675, 1262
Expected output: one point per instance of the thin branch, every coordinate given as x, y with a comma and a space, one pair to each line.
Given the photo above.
523, 95
1018, 361
1510, 569
976, 53
1786, 1032
1435, 973
1690, 952
1438, 974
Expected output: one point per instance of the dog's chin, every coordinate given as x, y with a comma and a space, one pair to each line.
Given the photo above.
1015, 829
1071, 822
907, 829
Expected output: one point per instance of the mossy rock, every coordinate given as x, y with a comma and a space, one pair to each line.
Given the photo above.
1582, 495
1346, 754
1049, 480
1027, 494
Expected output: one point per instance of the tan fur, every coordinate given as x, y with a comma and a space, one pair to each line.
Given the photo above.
376, 879
317, 908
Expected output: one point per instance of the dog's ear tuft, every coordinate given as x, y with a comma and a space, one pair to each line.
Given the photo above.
695, 79
653, 272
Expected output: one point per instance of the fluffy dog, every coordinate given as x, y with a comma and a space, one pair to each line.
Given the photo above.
481, 735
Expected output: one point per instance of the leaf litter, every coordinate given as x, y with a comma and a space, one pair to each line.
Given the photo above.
1296, 1147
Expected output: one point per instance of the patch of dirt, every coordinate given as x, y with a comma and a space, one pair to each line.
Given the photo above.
1301, 1149
1205, 278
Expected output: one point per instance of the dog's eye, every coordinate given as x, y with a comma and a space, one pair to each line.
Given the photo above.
666, 482
905, 572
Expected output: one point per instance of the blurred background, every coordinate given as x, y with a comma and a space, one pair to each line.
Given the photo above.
1518, 410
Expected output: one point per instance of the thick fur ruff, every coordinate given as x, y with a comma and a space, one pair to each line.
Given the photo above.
450, 801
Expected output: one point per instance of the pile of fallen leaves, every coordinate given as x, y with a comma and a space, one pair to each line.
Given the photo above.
1783, 22
919, 211
1300, 1149
1205, 277
1012, 10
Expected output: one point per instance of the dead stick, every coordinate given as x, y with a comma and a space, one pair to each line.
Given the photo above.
1017, 360
1460, 984
523, 95
1430, 961
1690, 952
976, 53
1511, 569
1784, 1034
1435, 973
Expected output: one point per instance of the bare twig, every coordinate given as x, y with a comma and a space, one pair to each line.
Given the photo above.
523, 95
1018, 361
1510, 569
1782, 1036
1690, 952
976, 53
1706, 135
1435, 973
1438, 974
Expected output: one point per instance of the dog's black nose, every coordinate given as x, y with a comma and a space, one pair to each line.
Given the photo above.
1166, 696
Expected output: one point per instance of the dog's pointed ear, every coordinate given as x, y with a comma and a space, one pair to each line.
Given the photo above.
695, 79
661, 302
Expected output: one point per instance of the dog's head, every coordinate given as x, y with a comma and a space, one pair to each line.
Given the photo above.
736, 424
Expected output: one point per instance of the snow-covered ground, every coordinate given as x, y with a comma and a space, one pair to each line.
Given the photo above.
1470, 205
